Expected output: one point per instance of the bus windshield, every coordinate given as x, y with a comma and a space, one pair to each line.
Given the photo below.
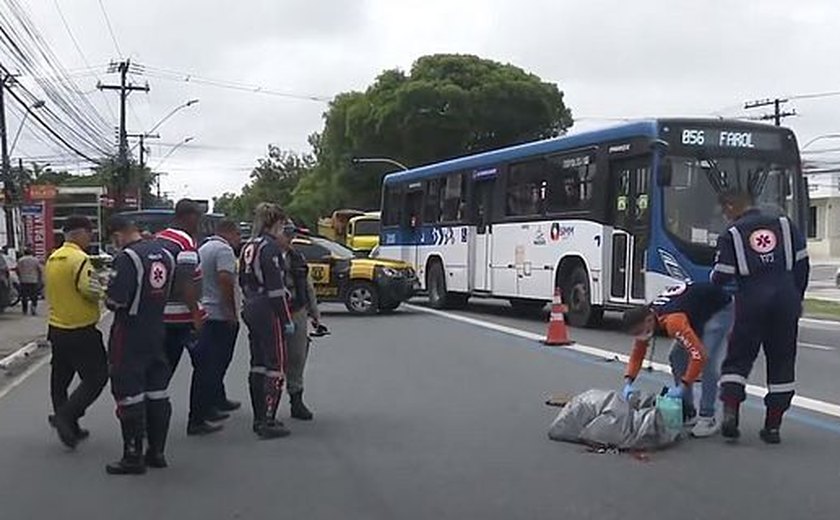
692, 212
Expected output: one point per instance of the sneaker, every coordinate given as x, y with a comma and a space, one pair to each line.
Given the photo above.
203, 428
705, 427
215, 416
228, 406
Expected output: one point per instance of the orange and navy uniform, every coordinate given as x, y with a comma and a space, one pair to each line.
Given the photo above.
681, 312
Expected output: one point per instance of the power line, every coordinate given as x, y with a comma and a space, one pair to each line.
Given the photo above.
110, 28
34, 115
185, 77
82, 55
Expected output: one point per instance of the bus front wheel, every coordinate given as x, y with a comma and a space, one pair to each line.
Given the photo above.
577, 297
439, 298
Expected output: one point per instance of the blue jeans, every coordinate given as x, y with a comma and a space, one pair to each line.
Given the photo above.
714, 339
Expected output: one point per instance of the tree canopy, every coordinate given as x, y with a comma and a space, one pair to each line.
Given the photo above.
447, 105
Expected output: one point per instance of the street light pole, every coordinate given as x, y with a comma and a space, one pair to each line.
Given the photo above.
819, 138
36, 105
379, 160
168, 116
173, 150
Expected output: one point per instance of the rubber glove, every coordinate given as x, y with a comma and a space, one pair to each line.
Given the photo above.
628, 389
676, 392
289, 329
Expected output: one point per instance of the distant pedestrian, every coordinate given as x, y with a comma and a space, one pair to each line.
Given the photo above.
139, 370
767, 258
217, 340
73, 294
184, 314
30, 274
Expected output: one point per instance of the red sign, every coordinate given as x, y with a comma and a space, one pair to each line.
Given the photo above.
41, 192
35, 229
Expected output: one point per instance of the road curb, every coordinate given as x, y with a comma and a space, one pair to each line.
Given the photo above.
22, 354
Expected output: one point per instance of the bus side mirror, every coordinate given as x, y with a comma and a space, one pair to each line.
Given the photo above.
666, 173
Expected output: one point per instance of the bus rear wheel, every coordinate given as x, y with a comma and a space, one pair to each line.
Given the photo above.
578, 300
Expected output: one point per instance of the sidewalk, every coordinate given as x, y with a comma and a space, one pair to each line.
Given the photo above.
17, 330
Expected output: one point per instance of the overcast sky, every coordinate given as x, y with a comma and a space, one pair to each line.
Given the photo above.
613, 58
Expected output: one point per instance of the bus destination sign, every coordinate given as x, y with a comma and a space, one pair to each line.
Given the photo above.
724, 138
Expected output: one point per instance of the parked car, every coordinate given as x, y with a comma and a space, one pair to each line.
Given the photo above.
837, 278
364, 285
9, 296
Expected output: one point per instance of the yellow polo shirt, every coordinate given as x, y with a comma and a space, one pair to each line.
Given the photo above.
73, 292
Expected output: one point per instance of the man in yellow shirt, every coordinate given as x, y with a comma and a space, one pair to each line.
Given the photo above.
73, 294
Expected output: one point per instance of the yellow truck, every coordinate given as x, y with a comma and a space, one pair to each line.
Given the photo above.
356, 229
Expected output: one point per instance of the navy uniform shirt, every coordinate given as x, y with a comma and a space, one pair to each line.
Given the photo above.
697, 300
141, 286
262, 276
761, 250
297, 272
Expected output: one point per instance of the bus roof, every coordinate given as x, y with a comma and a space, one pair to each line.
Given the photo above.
648, 127
165, 212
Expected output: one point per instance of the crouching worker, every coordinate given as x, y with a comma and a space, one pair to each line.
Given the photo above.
685, 313
137, 358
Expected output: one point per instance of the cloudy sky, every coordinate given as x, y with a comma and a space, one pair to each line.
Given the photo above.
613, 59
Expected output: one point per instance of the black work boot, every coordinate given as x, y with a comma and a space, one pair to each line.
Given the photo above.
132, 462
256, 387
133, 427
772, 423
770, 436
729, 429
299, 410
65, 429
158, 415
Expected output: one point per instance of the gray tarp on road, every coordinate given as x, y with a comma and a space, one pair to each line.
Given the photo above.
603, 418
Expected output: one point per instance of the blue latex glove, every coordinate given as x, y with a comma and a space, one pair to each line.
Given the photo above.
289, 329
628, 389
676, 392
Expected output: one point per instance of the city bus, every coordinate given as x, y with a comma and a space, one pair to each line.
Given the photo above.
608, 218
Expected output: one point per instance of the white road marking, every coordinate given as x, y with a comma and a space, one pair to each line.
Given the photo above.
20, 378
799, 401
815, 346
820, 324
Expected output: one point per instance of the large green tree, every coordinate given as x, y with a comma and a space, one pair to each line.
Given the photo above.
446, 106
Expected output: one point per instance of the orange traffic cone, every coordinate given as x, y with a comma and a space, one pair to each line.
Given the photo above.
558, 333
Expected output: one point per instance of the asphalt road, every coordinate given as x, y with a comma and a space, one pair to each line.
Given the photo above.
818, 359
417, 416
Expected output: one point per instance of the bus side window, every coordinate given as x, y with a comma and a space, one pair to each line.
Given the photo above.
391, 214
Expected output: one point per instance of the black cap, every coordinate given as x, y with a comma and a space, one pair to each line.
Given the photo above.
186, 207
74, 222
120, 223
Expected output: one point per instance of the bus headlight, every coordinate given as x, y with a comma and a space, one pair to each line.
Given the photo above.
673, 267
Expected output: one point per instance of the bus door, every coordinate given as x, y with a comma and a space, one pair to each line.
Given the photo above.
482, 215
413, 226
630, 217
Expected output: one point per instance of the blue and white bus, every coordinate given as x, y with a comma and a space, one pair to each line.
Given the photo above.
609, 217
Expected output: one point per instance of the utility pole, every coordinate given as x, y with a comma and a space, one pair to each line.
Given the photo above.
124, 88
6, 168
142, 145
777, 114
